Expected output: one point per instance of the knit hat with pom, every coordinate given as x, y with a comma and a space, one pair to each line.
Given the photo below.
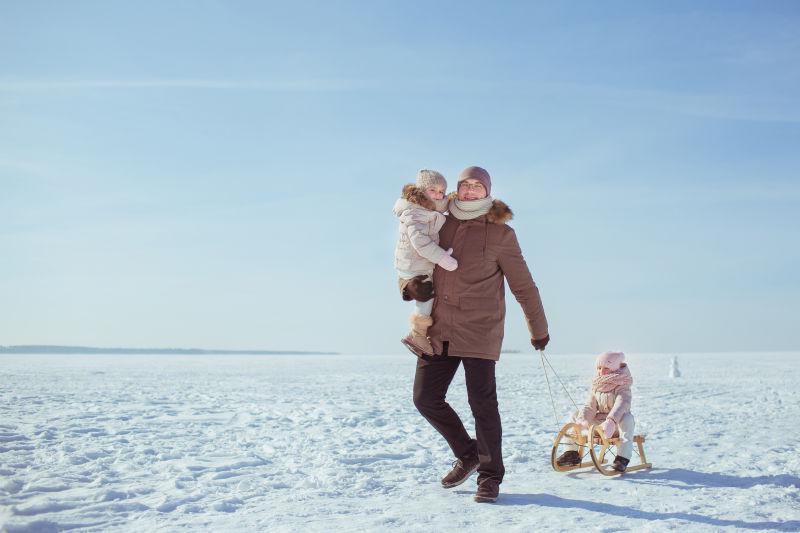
430, 178
610, 360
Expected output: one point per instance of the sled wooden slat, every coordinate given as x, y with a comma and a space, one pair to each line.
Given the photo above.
635, 467
641, 451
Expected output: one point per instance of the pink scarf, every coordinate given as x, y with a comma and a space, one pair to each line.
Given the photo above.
609, 382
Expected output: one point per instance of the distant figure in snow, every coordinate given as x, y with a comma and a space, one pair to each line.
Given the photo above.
609, 404
417, 252
469, 317
674, 371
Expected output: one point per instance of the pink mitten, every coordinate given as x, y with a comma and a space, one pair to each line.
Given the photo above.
608, 427
447, 262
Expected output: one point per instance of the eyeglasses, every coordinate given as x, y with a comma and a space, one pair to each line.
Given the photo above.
470, 186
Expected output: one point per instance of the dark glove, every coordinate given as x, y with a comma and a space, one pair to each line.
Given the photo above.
539, 344
417, 289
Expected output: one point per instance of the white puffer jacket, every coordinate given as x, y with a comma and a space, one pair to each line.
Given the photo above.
613, 404
417, 250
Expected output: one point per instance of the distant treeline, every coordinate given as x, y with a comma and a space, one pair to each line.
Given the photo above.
34, 349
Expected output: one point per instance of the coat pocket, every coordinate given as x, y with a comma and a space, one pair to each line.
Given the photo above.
488, 304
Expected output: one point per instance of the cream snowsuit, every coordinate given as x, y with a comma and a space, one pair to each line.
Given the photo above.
418, 250
616, 405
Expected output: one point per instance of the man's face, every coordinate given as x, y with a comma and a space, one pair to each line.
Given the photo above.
471, 189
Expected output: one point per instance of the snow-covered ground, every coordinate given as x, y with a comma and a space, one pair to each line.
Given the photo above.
287, 443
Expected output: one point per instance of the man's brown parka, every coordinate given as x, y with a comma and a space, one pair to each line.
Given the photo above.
470, 308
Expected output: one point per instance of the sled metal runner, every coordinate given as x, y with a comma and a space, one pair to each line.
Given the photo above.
594, 449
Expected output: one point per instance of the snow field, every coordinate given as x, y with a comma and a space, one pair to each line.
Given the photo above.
284, 443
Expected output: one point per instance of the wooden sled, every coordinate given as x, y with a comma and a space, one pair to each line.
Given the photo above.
594, 449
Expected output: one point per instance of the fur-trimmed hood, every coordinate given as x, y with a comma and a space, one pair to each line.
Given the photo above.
413, 197
499, 213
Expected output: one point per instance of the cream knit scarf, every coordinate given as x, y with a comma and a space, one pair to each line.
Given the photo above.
469, 209
609, 382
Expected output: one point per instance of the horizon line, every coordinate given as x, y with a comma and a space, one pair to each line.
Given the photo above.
57, 348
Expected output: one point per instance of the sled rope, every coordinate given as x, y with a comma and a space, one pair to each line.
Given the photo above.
552, 402
559, 380
549, 390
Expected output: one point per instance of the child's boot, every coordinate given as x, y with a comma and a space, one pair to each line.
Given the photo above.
620, 463
417, 340
569, 458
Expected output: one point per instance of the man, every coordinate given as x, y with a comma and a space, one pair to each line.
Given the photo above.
468, 320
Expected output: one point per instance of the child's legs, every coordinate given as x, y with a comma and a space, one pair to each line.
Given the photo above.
424, 308
627, 427
571, 419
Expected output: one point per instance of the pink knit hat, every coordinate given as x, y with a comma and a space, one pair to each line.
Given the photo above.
610, 360
477, 173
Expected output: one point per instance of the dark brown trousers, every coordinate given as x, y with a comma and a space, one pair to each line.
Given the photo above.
433, 377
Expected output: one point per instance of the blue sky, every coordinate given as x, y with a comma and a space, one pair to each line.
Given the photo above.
221, 174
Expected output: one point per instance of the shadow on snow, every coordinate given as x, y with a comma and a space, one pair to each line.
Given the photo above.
549, 500
690, 479
676, 478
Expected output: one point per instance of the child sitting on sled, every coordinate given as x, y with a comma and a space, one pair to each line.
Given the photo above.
609, 405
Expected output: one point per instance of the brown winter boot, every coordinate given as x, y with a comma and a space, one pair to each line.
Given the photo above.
569, 458
417, 340
488, 491
462, 469
621, 463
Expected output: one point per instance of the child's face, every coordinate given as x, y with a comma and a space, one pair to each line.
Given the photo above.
435, 192
603, 370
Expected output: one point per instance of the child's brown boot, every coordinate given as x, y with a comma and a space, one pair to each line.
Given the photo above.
417, 339
621, 463
569, 458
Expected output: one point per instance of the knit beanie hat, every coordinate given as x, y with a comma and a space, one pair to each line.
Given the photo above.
610, 360
477, 173
430, 178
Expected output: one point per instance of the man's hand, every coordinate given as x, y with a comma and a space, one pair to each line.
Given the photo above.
539, 344
418, 289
